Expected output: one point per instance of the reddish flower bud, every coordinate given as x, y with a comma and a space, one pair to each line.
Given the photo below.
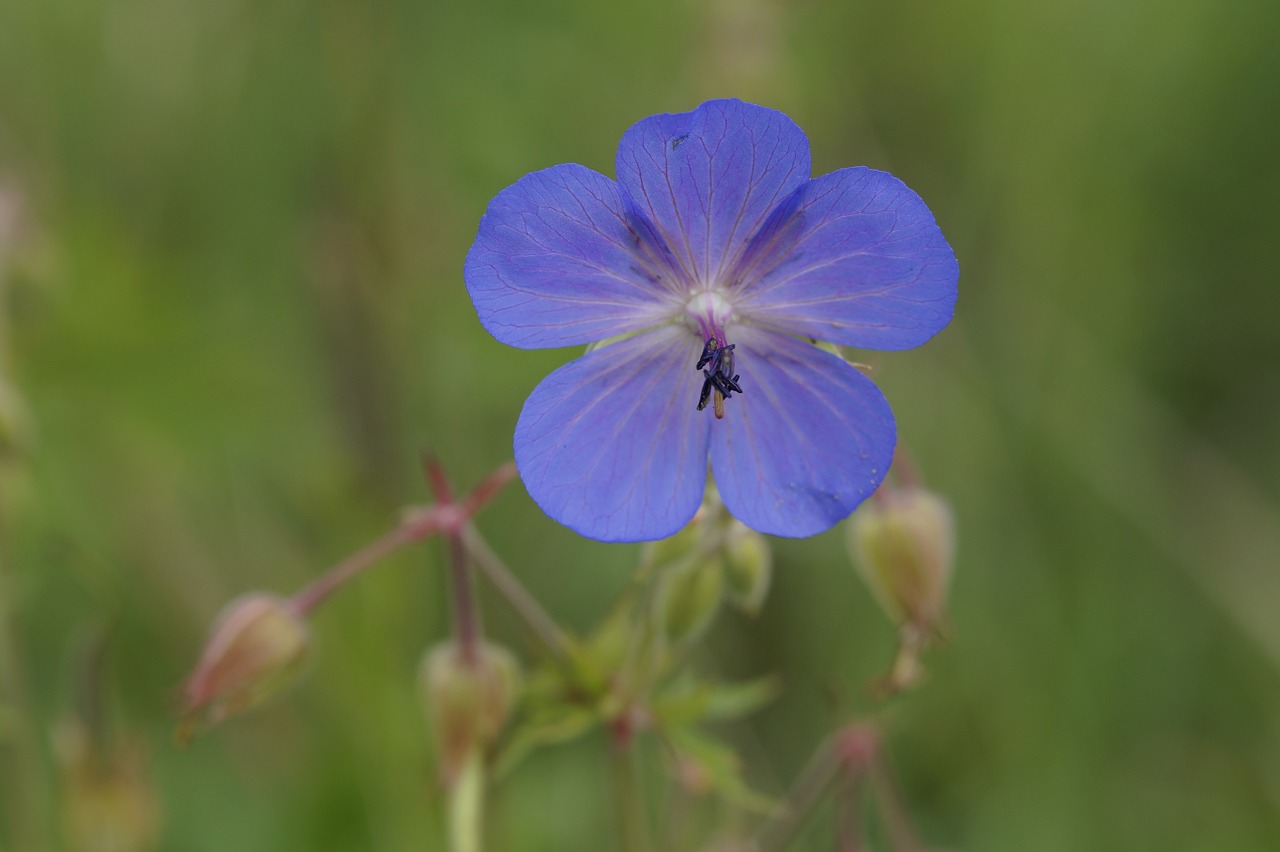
258, 645
467, 701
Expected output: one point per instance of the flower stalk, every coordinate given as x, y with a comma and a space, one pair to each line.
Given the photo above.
540, 625
466, 806
466, 615
803, 799
847, 757
633, 819
416, 524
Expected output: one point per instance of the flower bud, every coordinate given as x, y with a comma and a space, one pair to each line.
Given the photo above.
107, 802
668, 551
467, 701
687, 598
903, 543
748, 567
258, 645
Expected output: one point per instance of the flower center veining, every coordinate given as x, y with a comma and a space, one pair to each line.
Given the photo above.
708, 312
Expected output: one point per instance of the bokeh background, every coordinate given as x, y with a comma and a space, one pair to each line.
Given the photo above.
232, 317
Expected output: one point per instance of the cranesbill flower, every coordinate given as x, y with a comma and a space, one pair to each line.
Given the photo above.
713, 263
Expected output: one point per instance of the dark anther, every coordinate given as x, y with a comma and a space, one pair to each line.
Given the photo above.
675, 142
719, 375
722, 383
726, 384
722, 363
705, 396
708, 350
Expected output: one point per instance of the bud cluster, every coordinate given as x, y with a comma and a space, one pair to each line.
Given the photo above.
713, 559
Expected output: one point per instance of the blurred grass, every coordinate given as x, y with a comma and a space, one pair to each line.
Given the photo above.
235, 313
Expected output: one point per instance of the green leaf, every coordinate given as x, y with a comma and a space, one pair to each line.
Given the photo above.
735, 700
554, 728
682, 703
722, 768
686, 701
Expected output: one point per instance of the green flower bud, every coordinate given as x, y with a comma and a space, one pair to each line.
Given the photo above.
671, 550
258, 646
688, 597
748, 563
467, 701
903, 543
107, 802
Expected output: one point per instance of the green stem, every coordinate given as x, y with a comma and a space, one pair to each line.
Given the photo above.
633, 821
466, 806
525, 606
902, 837
807, 792
848, 795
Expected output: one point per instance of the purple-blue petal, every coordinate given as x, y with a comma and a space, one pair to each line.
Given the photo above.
853, 257
611, 445
557, 262
808, 439
707, 179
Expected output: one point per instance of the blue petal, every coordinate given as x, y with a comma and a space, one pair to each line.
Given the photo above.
612, 445
558, 262
807, 441
707, 179
853, 257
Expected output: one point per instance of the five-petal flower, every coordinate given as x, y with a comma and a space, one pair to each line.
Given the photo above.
713, 231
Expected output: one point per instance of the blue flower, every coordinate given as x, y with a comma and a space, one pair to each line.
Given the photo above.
713, 263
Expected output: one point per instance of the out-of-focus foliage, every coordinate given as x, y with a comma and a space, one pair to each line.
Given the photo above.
232, 316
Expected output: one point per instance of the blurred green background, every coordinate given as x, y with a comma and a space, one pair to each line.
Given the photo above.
232, 311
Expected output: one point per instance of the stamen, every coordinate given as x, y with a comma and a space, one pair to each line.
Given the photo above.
708, 352
724, 361
705, 396
719, 380
723, 383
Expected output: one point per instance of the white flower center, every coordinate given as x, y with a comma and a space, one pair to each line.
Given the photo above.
707, 313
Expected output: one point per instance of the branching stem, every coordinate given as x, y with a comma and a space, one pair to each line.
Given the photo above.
525, 606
